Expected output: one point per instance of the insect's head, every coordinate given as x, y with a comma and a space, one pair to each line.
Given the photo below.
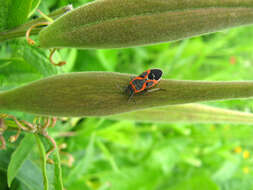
155, 74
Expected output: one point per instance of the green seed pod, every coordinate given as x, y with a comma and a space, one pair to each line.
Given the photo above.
186, 113
100, 94
121, 23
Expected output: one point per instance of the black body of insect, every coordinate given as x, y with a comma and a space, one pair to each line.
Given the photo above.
143, 82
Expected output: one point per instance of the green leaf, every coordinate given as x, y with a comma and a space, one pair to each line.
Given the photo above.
43, 162
19, 156
5, 158
122, 133
26, 64
82, 166
108, 58
18, 12
226, 171
58, 183
137, 178
196, 182
3, 181
108, 155
4, 62
35, 4
17, 72
68, 55
30, 175
3, 14
38, 59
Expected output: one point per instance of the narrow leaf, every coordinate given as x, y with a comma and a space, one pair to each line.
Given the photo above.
196, 182
35, 4
108, 155
58, 183
29, 174
187, 113
3, 14
19, 156
81, 167
43, 162
4, 62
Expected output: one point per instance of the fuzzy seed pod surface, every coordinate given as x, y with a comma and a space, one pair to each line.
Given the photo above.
101, 94
128, 23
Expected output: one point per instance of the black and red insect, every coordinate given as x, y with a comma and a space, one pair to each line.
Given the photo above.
143, 82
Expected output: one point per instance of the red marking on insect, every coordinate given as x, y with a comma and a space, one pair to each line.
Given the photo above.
143, 82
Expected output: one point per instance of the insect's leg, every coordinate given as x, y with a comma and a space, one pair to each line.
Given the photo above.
123, 90
131, 96
143, 92
155, 89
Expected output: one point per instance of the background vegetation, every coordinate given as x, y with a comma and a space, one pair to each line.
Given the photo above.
124, 155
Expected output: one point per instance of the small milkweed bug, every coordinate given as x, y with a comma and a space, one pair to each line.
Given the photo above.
143, 82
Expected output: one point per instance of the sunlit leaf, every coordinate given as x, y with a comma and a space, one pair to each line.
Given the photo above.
58, 182
82, 166
43, 162
19, 156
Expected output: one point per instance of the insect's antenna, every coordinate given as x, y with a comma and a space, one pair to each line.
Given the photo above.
130, 97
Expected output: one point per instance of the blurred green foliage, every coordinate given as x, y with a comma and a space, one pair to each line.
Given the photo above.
124, 155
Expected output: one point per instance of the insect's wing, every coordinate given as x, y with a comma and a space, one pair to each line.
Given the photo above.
151, 83
138, 84
144, 75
